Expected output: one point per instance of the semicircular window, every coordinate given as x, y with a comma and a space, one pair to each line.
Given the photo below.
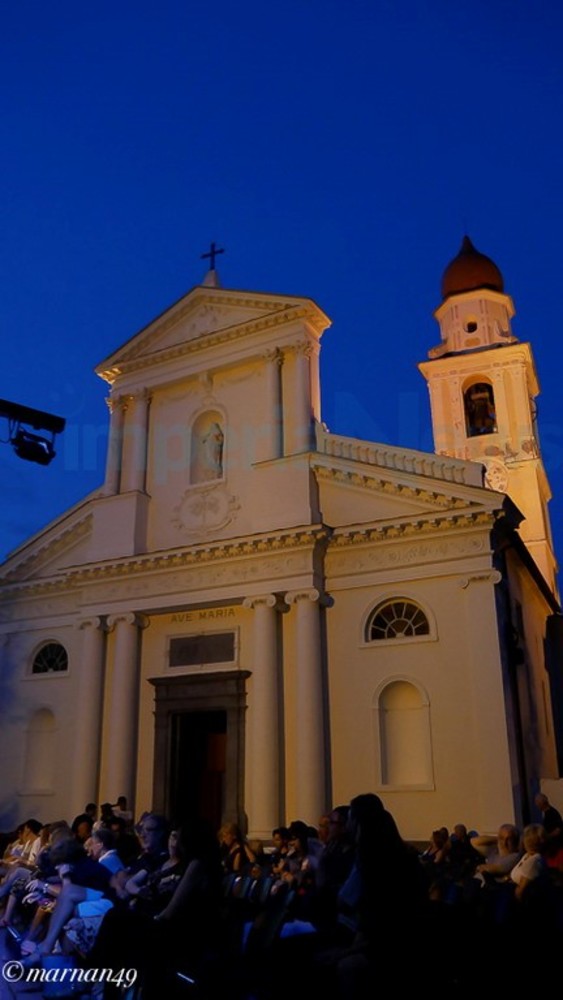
51, 658
396, 619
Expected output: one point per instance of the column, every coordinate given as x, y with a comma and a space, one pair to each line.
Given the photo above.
272, 447
115, 446
135, 442
298, 418
88, 716
315, 379
121, 745
310, 735
265, 719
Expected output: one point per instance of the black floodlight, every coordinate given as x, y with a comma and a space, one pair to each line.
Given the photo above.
27, 444
32, 447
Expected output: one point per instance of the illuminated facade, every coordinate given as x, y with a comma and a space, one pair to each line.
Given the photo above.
255, 618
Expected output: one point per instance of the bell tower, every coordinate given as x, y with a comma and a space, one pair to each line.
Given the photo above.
483, 384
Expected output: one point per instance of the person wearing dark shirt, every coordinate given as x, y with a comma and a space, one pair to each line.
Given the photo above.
551, 817
553, 826
82, 879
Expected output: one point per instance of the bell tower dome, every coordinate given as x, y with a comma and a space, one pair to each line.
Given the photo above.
483, 384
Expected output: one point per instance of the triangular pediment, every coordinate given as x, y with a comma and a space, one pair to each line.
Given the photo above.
206, 313
62, 543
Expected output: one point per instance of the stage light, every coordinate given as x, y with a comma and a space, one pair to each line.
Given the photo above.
32, 447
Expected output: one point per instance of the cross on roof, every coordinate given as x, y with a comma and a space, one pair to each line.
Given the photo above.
213, 252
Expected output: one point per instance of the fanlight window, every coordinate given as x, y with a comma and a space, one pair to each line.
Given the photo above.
52, 658
397, 619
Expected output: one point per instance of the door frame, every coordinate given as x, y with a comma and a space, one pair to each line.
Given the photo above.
222, 690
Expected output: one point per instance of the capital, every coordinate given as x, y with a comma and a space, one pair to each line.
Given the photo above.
263, 600
303, 349
115, 404
274, 356
309, 594
91, 623
129, 618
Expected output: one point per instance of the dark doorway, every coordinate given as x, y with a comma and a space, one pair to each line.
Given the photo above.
199, 746
198, 766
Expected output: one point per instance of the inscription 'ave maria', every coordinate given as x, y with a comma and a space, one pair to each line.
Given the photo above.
196, 616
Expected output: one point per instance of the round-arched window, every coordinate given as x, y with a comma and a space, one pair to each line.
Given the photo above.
51, 658
396, 619
480, 412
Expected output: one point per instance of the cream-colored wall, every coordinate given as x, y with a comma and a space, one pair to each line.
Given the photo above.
459, 671
337, 504
246, 499
538, 732
22, 695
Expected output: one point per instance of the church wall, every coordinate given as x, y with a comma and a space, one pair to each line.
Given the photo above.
38, 725
188, 504
456, 671
529, 611
529, 491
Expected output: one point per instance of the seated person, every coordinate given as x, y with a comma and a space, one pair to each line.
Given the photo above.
236, 852
531, 865
501, 852
101, 847
179, 925
83, 879
14, 848
18, 863
82, 827
461, 858
280, 841
334, 866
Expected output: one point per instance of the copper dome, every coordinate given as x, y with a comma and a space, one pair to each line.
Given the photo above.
470, 270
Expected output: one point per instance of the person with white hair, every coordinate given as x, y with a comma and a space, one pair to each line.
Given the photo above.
501, 853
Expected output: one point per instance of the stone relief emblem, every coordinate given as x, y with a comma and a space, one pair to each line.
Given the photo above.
496, 476
205, 511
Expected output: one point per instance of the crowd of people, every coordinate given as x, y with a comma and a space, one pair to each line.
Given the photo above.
348, 902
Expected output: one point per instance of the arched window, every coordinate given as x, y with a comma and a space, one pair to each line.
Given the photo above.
207, 445
404, 736
479, 407
51, 658
396, 619
40, 752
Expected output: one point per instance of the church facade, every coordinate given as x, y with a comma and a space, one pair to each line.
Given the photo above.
255, 618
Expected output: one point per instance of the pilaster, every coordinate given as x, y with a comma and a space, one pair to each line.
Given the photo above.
121, 735
88, 716
264, 763
310, 752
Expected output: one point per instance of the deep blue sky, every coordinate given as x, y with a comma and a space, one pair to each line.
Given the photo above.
337, 148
